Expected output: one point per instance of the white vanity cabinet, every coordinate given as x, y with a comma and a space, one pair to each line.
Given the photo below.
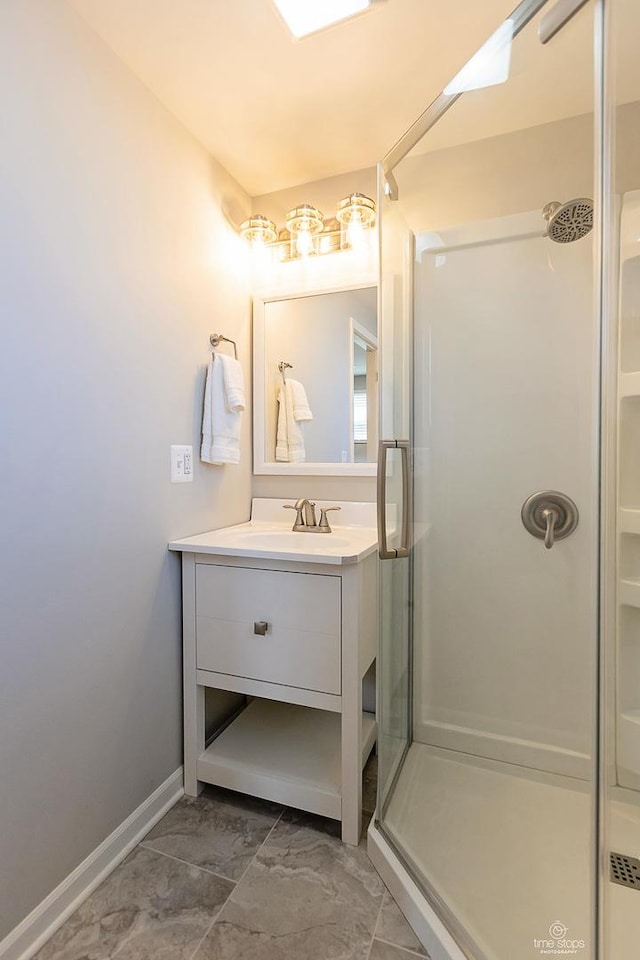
296, 637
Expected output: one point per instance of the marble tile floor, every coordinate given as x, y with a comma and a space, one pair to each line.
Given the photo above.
228, 877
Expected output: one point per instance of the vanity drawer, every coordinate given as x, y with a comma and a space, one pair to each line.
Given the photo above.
301, 647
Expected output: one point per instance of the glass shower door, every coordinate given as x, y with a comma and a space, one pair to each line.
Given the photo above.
621, 866
490, 625
394, 495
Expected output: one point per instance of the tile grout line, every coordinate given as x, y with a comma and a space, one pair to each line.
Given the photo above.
210, 873
222, 905
188, 863
407, 950
235, 885
251, 862
210, 927
375, 926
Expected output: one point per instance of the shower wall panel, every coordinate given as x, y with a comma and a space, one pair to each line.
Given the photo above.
506, 379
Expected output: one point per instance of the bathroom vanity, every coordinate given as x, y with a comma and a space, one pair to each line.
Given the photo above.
289, 621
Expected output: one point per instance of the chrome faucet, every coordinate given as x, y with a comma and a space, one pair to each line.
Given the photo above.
305, 521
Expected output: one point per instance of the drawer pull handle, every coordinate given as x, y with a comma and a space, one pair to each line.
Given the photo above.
260, 627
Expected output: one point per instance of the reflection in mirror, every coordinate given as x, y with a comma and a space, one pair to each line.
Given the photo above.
318, 378
363, 437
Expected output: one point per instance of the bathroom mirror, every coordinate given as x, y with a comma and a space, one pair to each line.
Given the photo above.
315, 398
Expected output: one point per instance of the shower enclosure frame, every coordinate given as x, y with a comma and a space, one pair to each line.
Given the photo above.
437, 927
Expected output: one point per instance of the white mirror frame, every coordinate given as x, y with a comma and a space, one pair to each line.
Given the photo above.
261, 465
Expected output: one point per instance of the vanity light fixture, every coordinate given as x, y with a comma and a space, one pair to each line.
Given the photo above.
308, 232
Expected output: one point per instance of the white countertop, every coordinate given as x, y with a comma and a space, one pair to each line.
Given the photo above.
269, 536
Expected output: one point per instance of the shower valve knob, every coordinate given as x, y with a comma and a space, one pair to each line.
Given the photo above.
549, 516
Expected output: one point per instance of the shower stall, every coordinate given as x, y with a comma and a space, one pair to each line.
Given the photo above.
508, 818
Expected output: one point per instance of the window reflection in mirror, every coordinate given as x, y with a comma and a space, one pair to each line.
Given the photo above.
322, 408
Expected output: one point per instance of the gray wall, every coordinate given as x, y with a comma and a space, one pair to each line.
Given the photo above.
117, 262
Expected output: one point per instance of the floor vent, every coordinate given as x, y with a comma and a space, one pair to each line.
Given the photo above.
625, 870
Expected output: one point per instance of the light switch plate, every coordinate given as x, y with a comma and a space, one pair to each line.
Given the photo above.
181, 463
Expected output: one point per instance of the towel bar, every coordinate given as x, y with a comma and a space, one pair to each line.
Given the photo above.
216, 338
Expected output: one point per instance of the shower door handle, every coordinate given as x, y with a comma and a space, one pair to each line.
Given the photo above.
403, 549
383, 547
386, 552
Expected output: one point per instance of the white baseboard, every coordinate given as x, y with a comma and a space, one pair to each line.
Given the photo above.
44, 920
523, 753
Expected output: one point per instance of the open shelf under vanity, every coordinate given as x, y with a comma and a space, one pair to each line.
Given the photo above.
286, 753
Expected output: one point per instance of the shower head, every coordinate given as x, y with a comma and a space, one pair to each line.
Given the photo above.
569, 221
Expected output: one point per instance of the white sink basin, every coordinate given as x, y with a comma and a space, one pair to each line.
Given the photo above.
286, 540
277, 541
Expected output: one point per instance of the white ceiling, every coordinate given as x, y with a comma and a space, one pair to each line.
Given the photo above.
277, 112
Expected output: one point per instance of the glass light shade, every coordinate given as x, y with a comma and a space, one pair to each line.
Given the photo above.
355, 233
258, 230
357, 207
304, 243
304, 223
356, 213
305, 219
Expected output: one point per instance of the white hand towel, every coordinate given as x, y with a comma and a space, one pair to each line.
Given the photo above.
222, 411
233, 384
282, 434
301, 409
289, 437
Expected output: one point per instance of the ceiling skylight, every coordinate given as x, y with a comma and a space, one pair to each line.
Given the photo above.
308, 16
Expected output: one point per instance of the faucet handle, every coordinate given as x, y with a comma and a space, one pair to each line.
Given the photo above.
299, 522
324, 523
